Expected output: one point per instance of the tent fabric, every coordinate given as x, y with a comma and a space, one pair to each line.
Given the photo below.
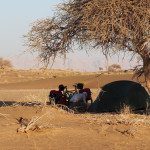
115, 95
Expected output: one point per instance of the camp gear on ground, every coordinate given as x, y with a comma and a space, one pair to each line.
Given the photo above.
75, 99
78, 107
88, 91
115, 95
63, 100
56, 97
78, 102
68, 94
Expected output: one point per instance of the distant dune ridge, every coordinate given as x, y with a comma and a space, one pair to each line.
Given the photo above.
79, 63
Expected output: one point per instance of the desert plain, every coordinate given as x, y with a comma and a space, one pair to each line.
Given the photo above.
27, 123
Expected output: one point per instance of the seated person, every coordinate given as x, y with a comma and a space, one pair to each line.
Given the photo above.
78, 99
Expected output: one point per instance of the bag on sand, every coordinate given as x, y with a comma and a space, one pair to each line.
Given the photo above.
56, 97
88, 91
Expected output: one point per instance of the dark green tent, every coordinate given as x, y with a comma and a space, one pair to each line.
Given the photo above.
115, 94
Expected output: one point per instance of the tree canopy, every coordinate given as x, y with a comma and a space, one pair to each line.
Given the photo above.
113, 25
114, 67
5, 64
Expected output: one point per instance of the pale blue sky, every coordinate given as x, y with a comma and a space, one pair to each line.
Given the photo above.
15, 18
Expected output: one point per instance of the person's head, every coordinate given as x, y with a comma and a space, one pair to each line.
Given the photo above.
61, 87
79, 86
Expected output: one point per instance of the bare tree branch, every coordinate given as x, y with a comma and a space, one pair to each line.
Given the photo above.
120, 24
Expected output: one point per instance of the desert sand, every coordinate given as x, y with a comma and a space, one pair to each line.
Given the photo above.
26, 122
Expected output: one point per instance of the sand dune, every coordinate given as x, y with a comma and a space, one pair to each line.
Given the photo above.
57, 130
90, 81
26, 123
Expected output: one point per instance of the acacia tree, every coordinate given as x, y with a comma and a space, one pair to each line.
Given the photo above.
5, 64
100, 68
113, 25
114, 67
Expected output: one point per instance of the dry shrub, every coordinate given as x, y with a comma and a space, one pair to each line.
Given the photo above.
43, 121
115, 119
126, 109
19, 75
31, 125
40, 97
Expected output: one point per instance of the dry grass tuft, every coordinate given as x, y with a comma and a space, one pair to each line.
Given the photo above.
37, 123
115, 119
65, 108
126, 110
4, 115
128, 132
30, 125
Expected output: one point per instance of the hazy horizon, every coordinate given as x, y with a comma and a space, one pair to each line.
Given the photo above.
78, 62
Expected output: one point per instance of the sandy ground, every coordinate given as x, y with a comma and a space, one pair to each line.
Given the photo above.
57, 129
24, 124
90, 81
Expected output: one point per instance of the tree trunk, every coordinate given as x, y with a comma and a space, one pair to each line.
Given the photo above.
146, 68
